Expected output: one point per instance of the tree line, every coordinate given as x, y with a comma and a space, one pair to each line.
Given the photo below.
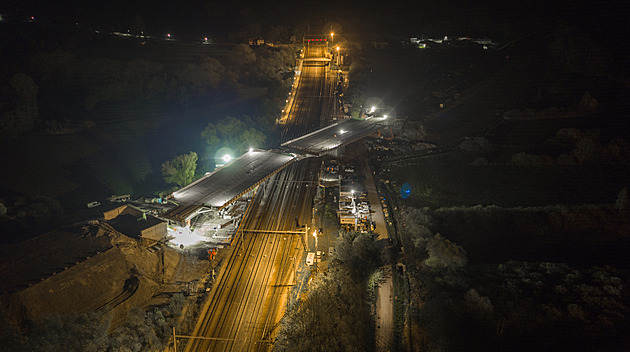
150, 330
229, 134
457, 305
60, 82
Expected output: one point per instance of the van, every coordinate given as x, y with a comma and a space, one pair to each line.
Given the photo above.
310, 258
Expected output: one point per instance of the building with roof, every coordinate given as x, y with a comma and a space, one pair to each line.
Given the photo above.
137, 224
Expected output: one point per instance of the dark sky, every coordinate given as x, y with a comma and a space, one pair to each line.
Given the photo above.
398, 17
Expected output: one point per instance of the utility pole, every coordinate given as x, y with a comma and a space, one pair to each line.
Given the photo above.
174, 340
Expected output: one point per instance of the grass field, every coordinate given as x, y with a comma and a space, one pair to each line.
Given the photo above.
449, 180
32, 170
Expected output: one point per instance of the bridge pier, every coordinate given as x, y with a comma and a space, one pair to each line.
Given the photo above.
337, 152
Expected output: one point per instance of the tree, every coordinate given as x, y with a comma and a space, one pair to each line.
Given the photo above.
415, 232
358, 252
444, 254
620, 204
37, 207
180, 170
210, 72
334, 316
74, 332
229, 129
252, 138
210, 135
242, 56
233, 133
20, 116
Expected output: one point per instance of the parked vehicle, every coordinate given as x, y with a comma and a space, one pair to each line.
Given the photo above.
310, 258
123, 198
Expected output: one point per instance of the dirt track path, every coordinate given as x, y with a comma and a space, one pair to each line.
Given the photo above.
384, 335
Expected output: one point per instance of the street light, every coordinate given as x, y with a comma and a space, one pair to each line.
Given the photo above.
332, 38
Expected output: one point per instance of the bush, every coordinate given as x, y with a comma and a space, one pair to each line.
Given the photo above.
335, 314
89, 332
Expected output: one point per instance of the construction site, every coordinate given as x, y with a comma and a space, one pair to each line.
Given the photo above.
129, 258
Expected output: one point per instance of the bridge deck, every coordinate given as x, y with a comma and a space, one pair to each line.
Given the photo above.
228, 183
334, 136
322, 59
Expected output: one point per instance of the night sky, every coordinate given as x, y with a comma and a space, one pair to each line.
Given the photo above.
605, 19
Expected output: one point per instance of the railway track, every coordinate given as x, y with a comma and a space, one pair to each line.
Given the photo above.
247, 300
245, 304
314, 101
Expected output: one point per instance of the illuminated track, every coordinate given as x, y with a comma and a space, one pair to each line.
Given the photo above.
248, 297
247, 300
314, 100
